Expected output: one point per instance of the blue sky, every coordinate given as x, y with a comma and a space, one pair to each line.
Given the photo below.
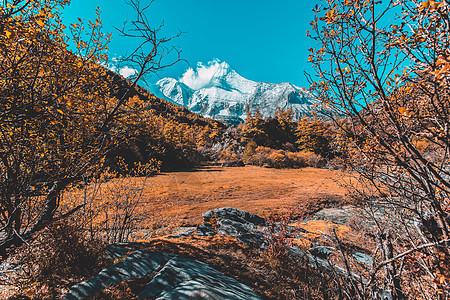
262, 40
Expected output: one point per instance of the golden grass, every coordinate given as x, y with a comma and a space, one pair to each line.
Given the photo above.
262, 191
168, 201
317, 228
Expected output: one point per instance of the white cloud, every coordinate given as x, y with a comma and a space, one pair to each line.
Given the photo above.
127, 71
201, 76
108, 66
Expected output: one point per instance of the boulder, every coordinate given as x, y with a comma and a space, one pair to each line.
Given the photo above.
337, 215
233, 214
234, 222
136, 265
172, 277
183, 278
245, 232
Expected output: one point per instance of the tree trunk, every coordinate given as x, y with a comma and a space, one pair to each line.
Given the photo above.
45, 218
391, 270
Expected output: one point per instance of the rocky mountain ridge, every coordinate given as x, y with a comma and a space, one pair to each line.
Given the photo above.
217, 91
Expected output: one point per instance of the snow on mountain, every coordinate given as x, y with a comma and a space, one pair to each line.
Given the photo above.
215, 90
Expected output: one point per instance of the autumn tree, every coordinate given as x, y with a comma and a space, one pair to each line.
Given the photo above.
58, 108
385, 65
312, 136
282, 129
276, 132
252, 129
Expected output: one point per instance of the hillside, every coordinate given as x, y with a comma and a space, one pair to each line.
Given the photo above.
160, 106
156, 131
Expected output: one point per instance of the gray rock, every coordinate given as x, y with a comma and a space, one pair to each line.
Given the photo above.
138, 264
183, 278
336, 215
116, 251
205, 230
363, 258
234, 228
188, 232
174, 277
320, 251
383, 295
256, 239
233, 214
236, 223
245, 232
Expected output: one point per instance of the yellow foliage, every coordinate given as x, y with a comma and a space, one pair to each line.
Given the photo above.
51, 114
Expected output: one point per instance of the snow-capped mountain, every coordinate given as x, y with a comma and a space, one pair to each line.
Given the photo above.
215, 90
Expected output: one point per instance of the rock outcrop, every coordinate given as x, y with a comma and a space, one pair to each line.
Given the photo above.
233, 222
172, 277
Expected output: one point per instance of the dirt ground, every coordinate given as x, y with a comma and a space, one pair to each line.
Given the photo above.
263, 191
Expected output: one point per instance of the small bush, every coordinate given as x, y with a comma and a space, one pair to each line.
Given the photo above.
59, 257
282, 159
227, 155
277, 159
307, 158
298, 159
278, 234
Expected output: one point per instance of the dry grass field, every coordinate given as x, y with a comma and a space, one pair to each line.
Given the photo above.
168, 201
262, 191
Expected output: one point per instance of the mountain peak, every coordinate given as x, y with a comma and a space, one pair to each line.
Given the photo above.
205, 75
215, 90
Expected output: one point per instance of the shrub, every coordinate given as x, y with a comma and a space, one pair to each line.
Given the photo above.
228, 155
259, 156
60, 256
278, 159
309, 159
298, 159
113, 206
282, 159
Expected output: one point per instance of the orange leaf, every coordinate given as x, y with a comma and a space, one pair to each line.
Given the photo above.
330, 13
